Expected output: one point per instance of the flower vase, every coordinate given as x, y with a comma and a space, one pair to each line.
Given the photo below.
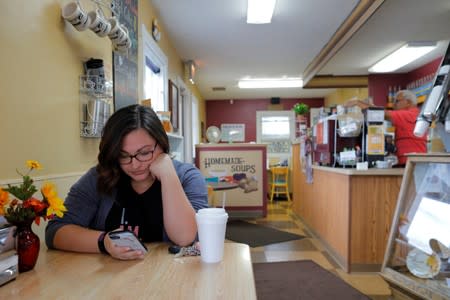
27, 246
301, 118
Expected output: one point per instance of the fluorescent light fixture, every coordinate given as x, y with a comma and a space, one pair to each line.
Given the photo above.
403, 56
265, 83
260, 11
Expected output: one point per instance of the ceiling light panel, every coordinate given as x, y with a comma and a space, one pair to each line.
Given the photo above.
266, 83
260, 11
402, 56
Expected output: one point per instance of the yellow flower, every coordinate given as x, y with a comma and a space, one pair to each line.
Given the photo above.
55, 204
4, 200
33, 164
48, 190
24, 207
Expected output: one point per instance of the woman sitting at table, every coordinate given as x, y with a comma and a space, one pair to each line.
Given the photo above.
135, 186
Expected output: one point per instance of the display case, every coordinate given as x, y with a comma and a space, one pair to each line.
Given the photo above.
416, 263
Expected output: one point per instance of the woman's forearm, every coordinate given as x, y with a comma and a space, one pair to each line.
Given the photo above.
76, 238
179, 215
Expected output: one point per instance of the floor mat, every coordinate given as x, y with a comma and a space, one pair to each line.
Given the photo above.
257, 235
301, 280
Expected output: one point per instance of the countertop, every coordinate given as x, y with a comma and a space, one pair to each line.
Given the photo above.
369, 172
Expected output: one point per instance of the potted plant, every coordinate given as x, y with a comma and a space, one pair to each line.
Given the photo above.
301, 109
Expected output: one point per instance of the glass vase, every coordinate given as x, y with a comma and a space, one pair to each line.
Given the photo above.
27, 246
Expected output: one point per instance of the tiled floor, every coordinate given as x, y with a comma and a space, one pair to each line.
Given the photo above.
280, 216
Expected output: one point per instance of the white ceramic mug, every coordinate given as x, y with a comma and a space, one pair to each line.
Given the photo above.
75, 15
118, 32
124, 44
98, 23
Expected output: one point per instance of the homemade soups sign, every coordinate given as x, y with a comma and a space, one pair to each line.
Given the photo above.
243, 170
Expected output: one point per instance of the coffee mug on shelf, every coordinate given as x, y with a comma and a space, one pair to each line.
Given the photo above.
75, 15
123, 45
98, 23
118, 32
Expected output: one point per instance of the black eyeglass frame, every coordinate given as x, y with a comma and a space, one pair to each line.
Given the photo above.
135, 156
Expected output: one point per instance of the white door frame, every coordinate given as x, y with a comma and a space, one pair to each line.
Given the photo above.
186, 103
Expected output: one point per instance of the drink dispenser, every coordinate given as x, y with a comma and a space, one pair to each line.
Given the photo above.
375, 149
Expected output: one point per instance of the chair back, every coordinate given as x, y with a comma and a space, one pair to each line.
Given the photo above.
280, 174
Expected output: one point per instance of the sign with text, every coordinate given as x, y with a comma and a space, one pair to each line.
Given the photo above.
244, 168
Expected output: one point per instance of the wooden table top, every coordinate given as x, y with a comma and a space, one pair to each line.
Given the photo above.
67, 275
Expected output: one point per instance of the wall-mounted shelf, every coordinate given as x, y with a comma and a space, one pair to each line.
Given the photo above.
176, 146
95, 104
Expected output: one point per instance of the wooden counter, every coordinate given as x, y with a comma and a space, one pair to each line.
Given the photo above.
349, 210
67, 275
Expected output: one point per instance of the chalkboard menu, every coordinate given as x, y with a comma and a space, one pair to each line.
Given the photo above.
125, 70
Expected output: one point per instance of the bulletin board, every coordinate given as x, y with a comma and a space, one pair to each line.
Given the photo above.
125, 70
233, 132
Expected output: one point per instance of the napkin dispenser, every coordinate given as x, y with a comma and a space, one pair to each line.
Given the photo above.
9, 259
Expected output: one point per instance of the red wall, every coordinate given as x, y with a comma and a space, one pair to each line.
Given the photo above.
425, 70
244, 112
378, 86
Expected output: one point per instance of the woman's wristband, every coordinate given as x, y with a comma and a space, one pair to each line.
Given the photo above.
101, 243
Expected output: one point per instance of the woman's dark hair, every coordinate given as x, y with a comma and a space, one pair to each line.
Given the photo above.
116, 128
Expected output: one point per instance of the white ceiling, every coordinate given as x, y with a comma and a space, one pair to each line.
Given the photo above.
225, 49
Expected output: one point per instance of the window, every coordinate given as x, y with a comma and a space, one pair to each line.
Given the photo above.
274, 126
154, 75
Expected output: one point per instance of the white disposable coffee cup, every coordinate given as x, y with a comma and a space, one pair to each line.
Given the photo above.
211, 224
98, 23
75, 15
212, 210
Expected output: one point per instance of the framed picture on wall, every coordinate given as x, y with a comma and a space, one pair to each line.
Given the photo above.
173, 104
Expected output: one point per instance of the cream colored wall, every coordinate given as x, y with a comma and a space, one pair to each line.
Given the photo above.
176, 66
39, 67
40, 64
344, 94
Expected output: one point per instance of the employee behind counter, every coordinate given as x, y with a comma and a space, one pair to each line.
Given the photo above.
403, 118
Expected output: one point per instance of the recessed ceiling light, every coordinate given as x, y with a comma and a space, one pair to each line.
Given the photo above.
262, 83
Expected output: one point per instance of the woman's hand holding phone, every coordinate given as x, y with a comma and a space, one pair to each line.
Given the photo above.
124, 245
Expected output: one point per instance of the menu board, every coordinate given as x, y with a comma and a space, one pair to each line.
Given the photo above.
125, 70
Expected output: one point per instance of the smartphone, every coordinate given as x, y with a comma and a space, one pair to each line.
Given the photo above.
127, 239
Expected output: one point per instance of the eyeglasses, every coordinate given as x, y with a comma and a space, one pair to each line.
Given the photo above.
142, 156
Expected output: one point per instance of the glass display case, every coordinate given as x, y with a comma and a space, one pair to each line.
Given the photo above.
417, 257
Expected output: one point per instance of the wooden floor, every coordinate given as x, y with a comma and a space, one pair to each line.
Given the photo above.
280, 216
